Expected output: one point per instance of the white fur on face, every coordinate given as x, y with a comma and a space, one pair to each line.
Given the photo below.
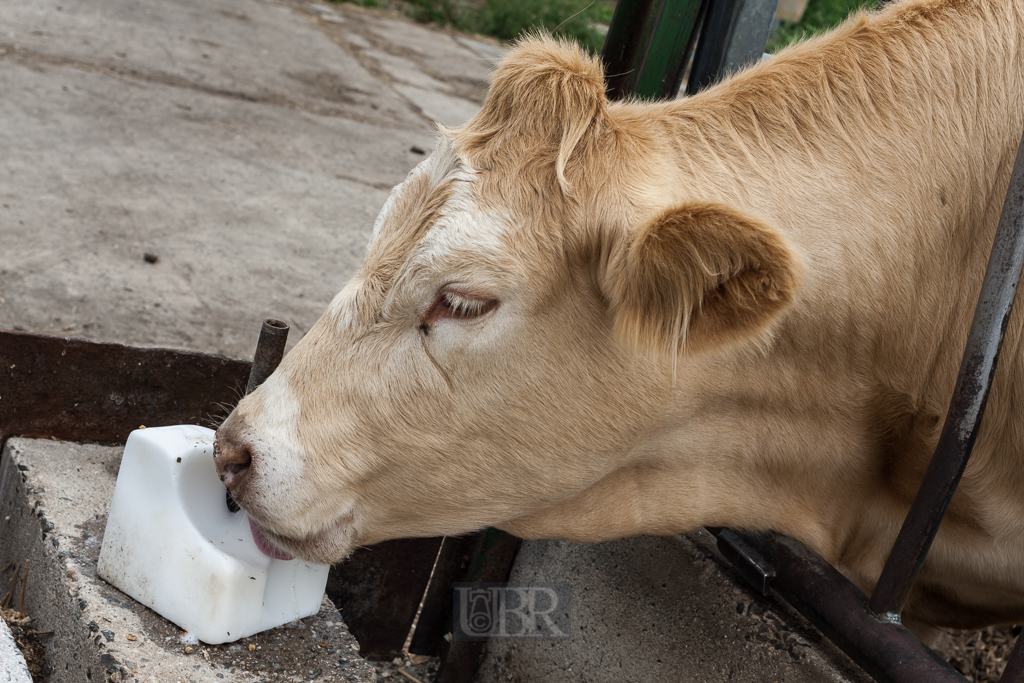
343, 307
281, 492
462, 227
280, 463
441, 166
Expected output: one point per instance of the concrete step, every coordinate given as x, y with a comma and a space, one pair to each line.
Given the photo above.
662, 609
54, 498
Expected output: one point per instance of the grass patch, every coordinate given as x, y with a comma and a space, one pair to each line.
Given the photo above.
506, 20
820, 16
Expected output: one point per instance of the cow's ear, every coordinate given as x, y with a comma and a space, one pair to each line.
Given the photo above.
547, 95
698, 276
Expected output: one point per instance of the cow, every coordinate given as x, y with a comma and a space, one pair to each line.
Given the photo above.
586, 320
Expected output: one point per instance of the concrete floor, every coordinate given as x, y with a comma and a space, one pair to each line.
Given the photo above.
248, 144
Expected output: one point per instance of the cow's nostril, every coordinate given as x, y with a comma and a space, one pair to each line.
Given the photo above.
233, 461
238, 469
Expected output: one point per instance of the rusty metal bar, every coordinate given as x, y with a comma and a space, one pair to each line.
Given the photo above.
966, 407
81, 390
1014, 670
269, 352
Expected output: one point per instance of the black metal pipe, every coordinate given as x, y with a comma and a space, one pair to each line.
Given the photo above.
715, 36
887, 651
1014, 671
648, 45
966, 408
269, 352
625, 38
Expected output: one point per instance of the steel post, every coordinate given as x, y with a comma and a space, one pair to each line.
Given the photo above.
1014, 670
648, 46
732, 38
966, 407
269, 352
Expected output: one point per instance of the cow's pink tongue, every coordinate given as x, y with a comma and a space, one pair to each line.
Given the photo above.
265, 546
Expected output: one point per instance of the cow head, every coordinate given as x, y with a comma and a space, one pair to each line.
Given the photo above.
529, 299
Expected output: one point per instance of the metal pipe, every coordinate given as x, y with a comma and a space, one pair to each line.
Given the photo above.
887, 651
715, 36
1014, 670
648, 45
966, 408
621, 45
269, 352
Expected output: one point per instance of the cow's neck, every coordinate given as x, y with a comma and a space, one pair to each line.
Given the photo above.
730, 452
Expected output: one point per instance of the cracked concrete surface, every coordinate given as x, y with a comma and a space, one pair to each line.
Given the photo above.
247, 144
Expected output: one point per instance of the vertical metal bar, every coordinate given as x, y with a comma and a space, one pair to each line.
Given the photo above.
670, 48
1014, 671
732, 38
648, 46
715, 35
625, 39
269, 352
750, 34
966, 408
491, 562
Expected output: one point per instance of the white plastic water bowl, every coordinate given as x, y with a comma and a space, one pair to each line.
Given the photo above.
172, 544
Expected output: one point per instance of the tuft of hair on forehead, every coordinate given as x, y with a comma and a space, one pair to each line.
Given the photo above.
546, 96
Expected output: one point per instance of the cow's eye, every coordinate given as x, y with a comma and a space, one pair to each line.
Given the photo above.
461, 307
458, 306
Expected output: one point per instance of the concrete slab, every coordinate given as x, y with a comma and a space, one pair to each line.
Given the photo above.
12, 663
248, 144
462, 63
662, 609
439, 51
53, 502
445, 109
253, 51
405, 70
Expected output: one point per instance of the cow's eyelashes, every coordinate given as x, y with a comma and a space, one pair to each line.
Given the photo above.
457, 306
462, 307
